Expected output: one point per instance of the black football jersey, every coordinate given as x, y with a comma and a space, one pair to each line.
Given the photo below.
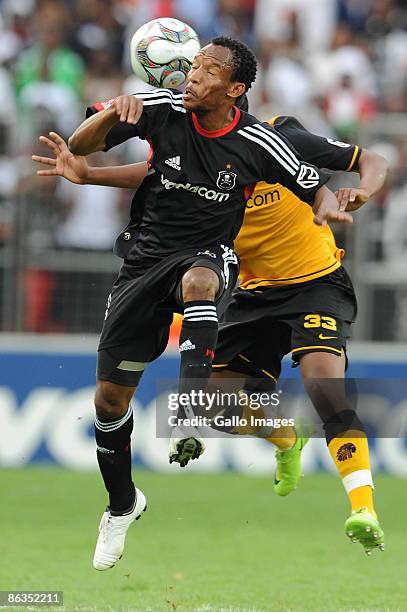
323, 152
195, 193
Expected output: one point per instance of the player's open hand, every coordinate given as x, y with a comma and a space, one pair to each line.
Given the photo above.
326, 208
351, 199
66, 164
128, 108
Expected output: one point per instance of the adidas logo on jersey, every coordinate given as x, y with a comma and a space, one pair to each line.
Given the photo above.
186, 346
174, 162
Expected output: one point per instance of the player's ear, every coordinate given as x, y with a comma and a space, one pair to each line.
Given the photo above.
236, 90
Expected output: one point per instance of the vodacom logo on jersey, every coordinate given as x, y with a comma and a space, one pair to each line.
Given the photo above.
204, 192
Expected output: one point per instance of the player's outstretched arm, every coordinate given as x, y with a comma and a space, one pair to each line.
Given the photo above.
129, 176
373, 170
76, 169
336, 155
90, 136
326, 208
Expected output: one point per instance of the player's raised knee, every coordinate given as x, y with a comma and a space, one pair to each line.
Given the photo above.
199, 284
111, 401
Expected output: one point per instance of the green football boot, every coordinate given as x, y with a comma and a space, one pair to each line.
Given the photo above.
365, 528
288, 472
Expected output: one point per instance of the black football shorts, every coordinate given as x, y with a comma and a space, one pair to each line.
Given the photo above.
141, 305
261, 326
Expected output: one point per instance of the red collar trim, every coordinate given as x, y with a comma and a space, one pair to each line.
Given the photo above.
217, 133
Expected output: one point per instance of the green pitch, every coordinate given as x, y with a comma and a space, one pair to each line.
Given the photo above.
207, 543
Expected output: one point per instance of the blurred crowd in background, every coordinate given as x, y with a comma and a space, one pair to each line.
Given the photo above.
338, 65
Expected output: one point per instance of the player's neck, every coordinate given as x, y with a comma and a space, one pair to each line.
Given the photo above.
215, 119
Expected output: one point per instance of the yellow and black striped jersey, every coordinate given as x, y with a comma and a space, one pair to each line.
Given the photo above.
279, 244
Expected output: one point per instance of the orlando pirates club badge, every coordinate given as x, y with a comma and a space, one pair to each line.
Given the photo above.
226, 180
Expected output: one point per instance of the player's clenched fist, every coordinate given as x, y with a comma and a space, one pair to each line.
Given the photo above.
128, 108
91, 135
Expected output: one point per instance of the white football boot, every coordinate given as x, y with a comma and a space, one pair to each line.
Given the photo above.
112, 533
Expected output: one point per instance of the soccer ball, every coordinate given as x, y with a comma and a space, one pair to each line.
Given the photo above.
162, 51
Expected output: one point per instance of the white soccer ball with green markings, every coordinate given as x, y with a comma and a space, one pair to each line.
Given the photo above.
162, 52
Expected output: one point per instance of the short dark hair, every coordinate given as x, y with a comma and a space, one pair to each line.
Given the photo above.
244, 60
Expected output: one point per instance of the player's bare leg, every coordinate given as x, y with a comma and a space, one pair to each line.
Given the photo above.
197, 344
113, 427
323, 375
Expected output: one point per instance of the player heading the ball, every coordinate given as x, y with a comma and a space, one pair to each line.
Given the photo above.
206, 155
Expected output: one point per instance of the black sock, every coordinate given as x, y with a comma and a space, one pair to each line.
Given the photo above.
197, 344
114, 458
